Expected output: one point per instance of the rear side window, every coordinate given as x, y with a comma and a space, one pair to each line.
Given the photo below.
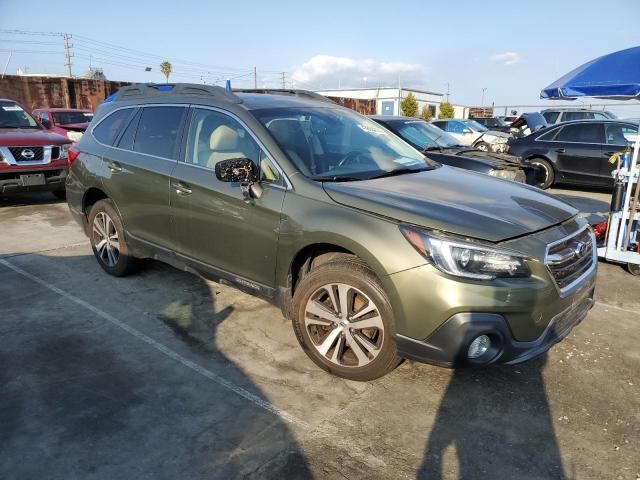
582, 133
551, 117
108, 129
129, 135
157, 132
569, 116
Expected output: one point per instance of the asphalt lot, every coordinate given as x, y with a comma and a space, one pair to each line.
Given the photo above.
165, 375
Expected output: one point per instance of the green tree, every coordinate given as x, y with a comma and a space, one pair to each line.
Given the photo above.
426, 113
165, 68
409, 106
446, 110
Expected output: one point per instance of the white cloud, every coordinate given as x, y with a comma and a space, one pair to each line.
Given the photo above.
506, 58
326, 71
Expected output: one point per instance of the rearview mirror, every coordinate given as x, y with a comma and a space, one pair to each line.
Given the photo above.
466, 131
241, 170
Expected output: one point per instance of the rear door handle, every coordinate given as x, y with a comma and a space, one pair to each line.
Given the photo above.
114, 167
560, 150
181, 188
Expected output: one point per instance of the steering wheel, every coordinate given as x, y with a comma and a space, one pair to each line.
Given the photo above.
354, 157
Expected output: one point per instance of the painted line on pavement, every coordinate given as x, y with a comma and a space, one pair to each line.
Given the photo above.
162, 348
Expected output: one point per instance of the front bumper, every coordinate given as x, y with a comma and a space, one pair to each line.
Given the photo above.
32, 180
448, 345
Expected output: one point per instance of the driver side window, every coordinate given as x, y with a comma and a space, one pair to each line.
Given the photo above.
215, 136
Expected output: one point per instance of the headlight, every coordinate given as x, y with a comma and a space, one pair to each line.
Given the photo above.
74, 136
463, 258
506, 174
64, 151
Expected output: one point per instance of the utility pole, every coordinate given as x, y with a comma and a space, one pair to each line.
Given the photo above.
448, 92
67, 48
284, 82
484, 89
255, 79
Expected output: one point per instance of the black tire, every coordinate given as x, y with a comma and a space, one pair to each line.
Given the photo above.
60, 194
361, 280
484, 146
633, 268
546, 175
124, 264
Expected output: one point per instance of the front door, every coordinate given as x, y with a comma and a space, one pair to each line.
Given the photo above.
215, 225
618, 137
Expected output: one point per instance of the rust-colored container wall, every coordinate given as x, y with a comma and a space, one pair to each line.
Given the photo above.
40, 92
365, 107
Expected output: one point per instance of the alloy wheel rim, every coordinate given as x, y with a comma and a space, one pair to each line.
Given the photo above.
344, 325
482, 148
546, 172
105, 239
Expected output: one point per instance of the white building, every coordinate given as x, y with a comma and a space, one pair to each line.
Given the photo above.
388, 99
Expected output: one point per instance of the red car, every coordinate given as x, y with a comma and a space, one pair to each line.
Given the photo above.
31, 158
64, 120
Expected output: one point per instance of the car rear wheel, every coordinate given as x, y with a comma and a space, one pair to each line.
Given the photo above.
633, 268
545, 173
343, 321
106, 235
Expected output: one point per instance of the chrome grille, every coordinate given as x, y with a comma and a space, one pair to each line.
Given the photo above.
570, 258
27, 154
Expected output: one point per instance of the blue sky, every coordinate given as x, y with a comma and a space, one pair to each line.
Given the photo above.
511, 48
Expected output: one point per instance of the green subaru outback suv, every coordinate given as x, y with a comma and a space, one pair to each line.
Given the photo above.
373, 251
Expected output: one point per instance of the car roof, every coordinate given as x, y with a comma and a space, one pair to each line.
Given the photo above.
383, 118
586, 121
213, 95
59, 109
569, 109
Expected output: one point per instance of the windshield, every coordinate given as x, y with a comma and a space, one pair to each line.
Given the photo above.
475, 126
67, 118
13, 116
423, 136
336, 144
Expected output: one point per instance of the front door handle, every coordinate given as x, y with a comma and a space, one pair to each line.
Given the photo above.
181, 188
560, 150
114, 167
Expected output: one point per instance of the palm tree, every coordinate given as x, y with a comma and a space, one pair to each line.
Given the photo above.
165, 68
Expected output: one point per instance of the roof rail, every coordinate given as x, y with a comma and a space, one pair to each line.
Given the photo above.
150, 89
282, 91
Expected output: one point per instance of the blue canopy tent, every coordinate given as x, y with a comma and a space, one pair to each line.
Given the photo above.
615, 76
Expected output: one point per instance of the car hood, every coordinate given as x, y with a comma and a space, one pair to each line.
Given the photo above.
496, 160
456, 201
78, 127
23, 137
495, 133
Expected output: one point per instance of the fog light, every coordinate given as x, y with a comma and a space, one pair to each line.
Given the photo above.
479, 346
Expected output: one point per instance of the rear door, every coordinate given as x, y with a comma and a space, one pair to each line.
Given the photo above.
578, 148
215, 225
139, 166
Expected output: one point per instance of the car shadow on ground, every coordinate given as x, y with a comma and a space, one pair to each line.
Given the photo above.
25, 199
81, 398
592, 209
494, 423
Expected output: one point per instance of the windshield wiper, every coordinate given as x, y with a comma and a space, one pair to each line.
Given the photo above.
399, 171
335, 178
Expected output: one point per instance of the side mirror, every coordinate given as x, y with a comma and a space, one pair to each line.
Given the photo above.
242, 171
466, 131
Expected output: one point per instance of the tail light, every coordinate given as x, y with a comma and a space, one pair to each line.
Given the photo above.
73, 154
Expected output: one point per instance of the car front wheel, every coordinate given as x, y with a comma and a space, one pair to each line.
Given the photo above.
544, 172
106, 235
343, 321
